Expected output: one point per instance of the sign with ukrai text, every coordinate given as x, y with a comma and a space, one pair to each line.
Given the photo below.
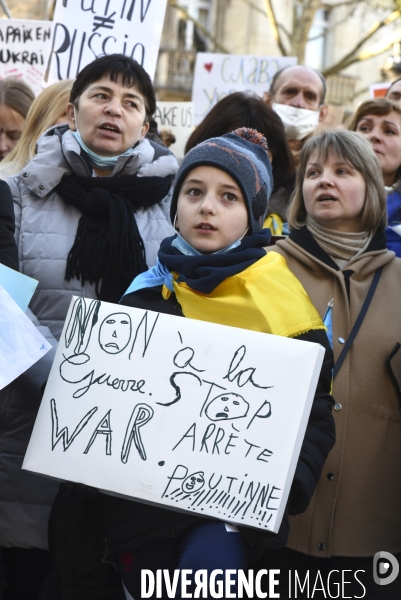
24, 50
189, 415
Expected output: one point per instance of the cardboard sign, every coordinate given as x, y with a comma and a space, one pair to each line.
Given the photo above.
187, 414
87, 29
177, 118
379, 90
217, 75
21, 344
24, 50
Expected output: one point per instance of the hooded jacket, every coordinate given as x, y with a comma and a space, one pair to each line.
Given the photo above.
356, 509
45, 232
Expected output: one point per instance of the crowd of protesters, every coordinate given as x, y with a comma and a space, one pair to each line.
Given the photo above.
103, 210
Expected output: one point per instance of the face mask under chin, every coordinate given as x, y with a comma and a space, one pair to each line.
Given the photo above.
298, 122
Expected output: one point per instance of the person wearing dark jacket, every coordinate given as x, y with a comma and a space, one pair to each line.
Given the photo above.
8, 247
219, 205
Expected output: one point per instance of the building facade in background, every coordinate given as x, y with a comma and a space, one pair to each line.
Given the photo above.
242, 27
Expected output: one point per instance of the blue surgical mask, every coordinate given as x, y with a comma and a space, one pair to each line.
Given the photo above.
183, 246
102, 162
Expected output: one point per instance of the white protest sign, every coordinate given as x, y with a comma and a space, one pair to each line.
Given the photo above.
21, 344
217, 75
379, 90
177, 118
191, 415
87, 29
24, 50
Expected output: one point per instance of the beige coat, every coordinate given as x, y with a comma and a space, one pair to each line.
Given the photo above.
356, 509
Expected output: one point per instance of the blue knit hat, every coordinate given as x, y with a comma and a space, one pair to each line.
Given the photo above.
243, 155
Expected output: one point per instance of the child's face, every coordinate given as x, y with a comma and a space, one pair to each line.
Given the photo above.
211, 210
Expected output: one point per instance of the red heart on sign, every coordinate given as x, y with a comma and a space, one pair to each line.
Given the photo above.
208, 66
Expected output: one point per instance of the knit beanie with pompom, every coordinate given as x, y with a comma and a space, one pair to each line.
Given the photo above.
243, 155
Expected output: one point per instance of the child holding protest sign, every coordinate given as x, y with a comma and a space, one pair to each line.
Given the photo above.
216, 269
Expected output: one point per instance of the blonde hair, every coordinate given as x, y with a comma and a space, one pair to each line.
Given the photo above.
379, 106
358, 153
45, 111
16, 94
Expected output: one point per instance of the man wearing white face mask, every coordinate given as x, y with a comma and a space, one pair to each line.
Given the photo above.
297, 95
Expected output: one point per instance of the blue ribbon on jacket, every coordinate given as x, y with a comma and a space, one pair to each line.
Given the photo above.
201, 272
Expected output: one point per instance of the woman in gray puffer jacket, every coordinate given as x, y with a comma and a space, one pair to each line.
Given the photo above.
91, 208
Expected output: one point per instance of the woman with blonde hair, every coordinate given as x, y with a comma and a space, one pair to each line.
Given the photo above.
15, 99
379, 121
337, 249
48, 109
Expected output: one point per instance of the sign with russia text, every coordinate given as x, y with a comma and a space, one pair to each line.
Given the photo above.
217, 75
24, 50
87, 29
186, 414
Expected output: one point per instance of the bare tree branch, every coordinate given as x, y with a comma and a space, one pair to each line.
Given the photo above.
303, 16
345, 3
254, 7
5, 8
352, 5
284, 30
199, 25
353, 56
274, 27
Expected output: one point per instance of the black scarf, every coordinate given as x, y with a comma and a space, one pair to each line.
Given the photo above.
205, 272
108, 250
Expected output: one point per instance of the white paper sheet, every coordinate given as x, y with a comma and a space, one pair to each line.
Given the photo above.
21, 344
186, 414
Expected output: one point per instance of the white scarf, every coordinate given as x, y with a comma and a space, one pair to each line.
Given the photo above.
340, 246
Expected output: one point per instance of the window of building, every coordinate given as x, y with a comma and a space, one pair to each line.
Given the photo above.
190, 37
316, 48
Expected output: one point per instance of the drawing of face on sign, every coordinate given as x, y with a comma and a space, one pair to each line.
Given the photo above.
227, 406
193, 483
115, 333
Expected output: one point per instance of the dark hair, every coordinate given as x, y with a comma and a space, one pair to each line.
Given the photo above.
240, 110
17, 95
116, 66
276, 77
392, 83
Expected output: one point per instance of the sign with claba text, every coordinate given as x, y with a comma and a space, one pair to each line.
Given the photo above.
189, 415
88, 29
217, 75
